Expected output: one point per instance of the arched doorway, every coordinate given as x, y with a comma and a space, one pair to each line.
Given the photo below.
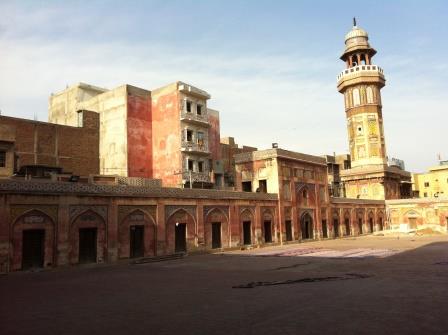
371, 222
88, 238
306, 225
268, 229
246, 219
347, 223
137, 235
216, 229
33, 241
181, 232
380, 221
360, 219
336, 224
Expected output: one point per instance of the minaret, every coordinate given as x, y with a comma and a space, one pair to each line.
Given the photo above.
361, 83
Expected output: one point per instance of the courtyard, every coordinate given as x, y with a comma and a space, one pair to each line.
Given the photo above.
360, 285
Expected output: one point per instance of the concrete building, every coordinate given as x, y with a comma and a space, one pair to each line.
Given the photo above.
369, 177
229, 148
125, 124
432, 184
168, 133
37, 148
335, 164
185, 135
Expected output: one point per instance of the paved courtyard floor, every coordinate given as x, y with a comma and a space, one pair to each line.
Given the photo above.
365, 285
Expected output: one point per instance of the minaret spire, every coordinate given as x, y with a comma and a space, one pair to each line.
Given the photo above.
354, 22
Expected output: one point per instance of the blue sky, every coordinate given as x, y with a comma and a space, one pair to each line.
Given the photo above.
270, 66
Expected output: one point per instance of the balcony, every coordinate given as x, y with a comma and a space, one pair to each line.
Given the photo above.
201, 120
199, 177
365, 71
195, 148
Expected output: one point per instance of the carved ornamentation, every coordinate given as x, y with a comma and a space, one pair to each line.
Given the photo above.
124, 211
19, 210
76, 210
209, 209
171, 209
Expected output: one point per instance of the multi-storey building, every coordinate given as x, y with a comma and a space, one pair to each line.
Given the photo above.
361, 82
168, 134
185, 136
432, 184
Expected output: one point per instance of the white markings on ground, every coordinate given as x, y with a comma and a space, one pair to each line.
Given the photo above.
323, 252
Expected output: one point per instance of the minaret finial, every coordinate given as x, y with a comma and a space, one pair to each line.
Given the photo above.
354, 22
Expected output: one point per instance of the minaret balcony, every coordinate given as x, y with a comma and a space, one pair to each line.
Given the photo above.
361, 73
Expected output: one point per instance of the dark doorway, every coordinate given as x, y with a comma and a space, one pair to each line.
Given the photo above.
262, 186
336, 227
307, 227
136, 241
267, 232
246, 232
216, 235
87, 245
347, 226
381, 223
371, 225
180, 237
324, 229
288, 228
33, 246
360, 226
247, 186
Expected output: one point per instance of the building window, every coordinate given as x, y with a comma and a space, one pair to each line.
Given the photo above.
189, 135
286, 190
262, 186
201, 166
188, 106
247, 186
198, 109
190, 165
426, 184
425, 194
200, 139
2, 158
305, 197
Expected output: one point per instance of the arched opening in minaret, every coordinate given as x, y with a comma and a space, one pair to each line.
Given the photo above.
354, 60
363, 60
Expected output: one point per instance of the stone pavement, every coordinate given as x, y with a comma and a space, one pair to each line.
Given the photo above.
394, 286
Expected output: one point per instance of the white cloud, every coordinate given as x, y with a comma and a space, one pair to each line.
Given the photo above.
263, 98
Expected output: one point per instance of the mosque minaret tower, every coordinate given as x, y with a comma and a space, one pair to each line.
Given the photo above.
361, 82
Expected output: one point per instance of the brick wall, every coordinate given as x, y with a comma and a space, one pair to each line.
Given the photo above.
75, 149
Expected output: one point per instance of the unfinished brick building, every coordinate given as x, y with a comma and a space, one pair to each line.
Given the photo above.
36, 148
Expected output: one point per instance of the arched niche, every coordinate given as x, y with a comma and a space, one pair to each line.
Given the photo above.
88, 238
180, 232
137, 235
216, 229
33, 235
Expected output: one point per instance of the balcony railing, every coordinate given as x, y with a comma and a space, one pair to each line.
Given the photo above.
203, 177
356, 70
193, 117
195, 147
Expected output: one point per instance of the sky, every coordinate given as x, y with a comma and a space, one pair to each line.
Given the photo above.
270, 66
